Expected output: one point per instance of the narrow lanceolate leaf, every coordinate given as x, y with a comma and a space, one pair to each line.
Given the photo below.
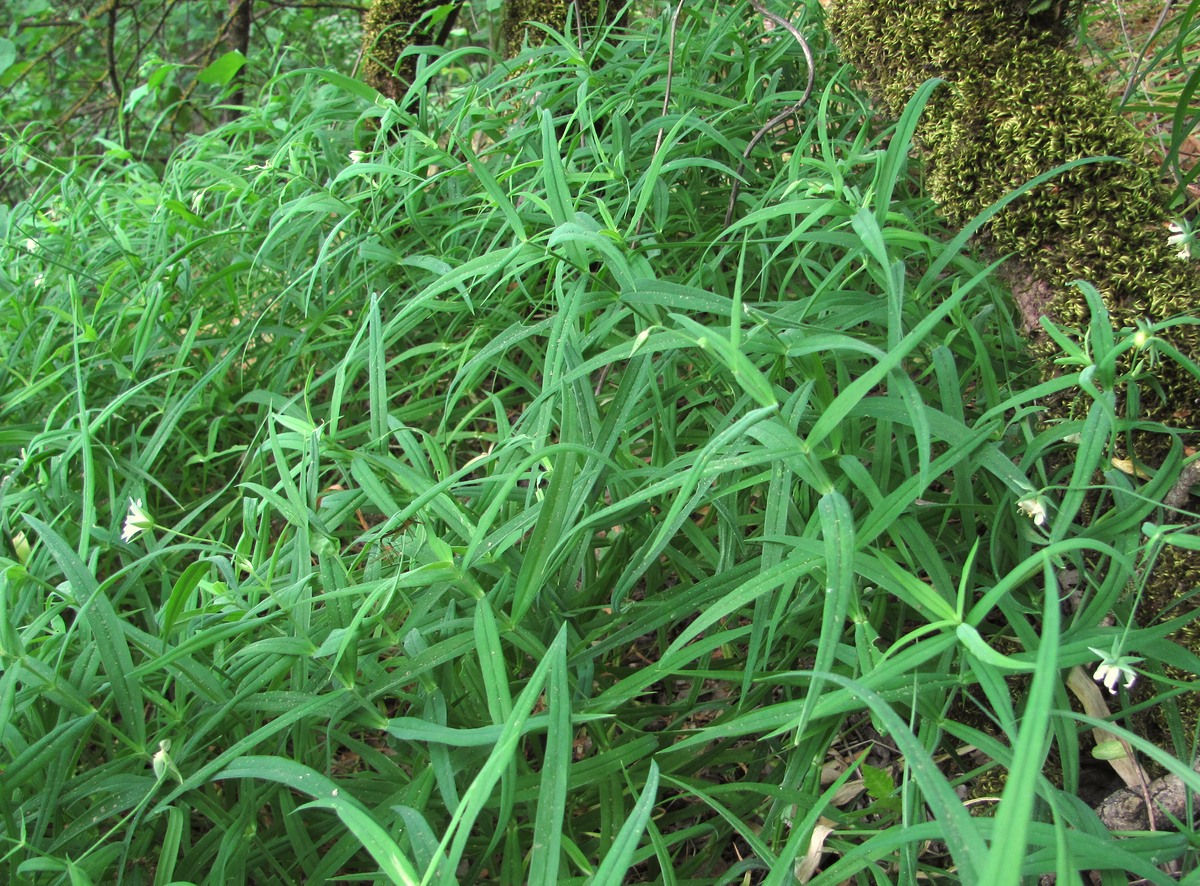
1003, 863
34, 759
554, 178
491, 662
557, 504
616, 863
837, 530
106, 629
329, 795
550, 820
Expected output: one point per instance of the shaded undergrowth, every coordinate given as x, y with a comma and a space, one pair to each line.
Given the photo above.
507, 517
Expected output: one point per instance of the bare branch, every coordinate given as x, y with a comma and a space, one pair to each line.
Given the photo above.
782, 115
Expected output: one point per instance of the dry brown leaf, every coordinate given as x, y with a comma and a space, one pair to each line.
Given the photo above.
848, 792
1126, 466
1084, 688
808, 866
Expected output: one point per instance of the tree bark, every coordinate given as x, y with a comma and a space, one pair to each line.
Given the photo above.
237, 37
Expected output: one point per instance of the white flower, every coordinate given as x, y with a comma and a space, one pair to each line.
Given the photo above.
162, 764
160, 759
1113, 668
1032, 507
137, 521
1181, 238
21, 547
358, 156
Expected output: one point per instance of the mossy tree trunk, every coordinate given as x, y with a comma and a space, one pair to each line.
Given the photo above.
1016, 103
555, 13
390, 27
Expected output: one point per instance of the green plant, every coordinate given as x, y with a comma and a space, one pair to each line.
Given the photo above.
503, 515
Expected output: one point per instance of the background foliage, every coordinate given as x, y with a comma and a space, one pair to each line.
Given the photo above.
134, 77
505, 515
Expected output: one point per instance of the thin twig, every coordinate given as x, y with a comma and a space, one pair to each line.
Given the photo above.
110, 53
666, 92
670, 74
1137, 63
1177, 497
53, 23
578, 24
781, 116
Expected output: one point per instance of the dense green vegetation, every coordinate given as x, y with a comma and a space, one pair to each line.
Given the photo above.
446, 494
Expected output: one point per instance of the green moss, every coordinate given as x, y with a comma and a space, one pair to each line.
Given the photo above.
1017, 104
389, 27
518, 14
